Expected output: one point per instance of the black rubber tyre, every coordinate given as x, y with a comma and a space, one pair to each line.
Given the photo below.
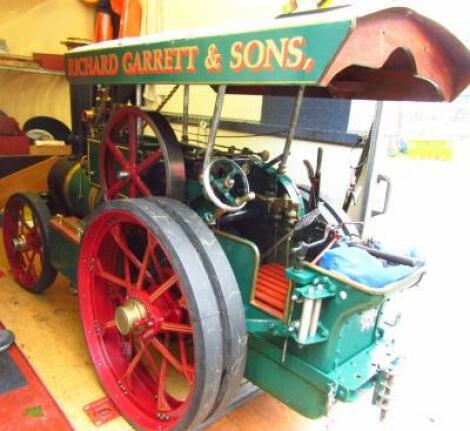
40, 222
54, 127
227, 291
198, 291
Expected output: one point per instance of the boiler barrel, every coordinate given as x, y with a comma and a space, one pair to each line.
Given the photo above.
71, 190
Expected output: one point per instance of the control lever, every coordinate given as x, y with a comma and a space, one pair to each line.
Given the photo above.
307, 220
301, 248
314, 176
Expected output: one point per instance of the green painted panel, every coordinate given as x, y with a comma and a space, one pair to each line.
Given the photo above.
78, 189
290, 55
244, 259
283, 384
64, 255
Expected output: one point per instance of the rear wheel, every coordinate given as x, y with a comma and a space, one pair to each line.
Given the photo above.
150, 316
227, 292
26, 240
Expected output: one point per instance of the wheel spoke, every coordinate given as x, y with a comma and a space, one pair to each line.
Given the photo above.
165, 352
105, 275
132, 140
162, 404
188, 370
168, 284
132, 188
133, 364
118, 236
30, 269
117, 187
156, 265
116, 152
149, 161
176, 327
232, 174
127, 271
150, 362
141, 186
145, 263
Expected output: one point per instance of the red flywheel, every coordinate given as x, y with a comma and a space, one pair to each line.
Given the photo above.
140, 156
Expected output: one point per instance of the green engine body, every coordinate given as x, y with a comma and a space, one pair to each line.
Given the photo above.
349, 347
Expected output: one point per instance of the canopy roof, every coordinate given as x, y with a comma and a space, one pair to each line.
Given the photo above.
391, 54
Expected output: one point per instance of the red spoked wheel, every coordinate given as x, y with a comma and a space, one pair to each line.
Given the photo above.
228, 295
134, 165
26, 241
154, 342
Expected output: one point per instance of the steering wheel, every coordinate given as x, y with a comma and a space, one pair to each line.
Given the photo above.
226, 184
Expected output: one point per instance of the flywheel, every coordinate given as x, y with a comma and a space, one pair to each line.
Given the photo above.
140, 156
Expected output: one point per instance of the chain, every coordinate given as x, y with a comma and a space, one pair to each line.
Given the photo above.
167, 98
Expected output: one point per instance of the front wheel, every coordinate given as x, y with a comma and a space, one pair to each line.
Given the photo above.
26, 240
150, 316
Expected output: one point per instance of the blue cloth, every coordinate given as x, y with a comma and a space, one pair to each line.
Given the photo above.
358, 265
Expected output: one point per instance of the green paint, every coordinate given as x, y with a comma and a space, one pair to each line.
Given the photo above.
94, 160
267, 326
244, 258
64, 255
77, 192
36, 412
346, 352
116, 65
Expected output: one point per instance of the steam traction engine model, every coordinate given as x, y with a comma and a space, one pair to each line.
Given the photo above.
198, 266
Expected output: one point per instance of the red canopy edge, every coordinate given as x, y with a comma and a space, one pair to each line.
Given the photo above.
392, 54
397, 54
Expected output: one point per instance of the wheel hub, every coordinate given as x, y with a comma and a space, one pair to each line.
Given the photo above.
19, 243
128, 316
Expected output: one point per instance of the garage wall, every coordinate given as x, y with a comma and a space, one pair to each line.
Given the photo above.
174, 15
39, 26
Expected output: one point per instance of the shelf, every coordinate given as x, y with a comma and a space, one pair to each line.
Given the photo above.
49, 64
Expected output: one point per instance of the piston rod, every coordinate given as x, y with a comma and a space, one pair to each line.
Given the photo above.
315, 318
305, 320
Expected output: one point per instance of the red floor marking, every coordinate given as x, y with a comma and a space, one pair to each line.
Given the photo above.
30, 408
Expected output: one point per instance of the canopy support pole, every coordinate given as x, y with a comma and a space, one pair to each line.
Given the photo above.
219, 102
184, 135
366, 210
292, 129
